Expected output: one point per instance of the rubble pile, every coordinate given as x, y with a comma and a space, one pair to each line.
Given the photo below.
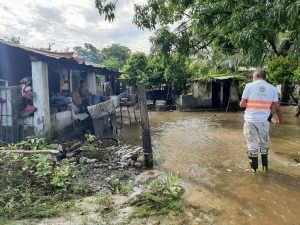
115, 157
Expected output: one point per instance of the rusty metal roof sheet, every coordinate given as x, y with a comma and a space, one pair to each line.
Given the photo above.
56, 55
65, 56
224, 77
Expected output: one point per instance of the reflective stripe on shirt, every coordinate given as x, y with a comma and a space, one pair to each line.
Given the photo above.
259, 104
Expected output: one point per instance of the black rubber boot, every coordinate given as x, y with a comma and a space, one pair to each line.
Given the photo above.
264, 162
253, 161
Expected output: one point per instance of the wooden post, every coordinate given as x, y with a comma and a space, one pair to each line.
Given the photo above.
141, 90
134, 113
129, 115
121, 114
113, 120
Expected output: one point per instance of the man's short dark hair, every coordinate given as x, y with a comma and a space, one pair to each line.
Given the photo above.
262, 74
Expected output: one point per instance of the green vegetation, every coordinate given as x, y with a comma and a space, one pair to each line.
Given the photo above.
251, 28
106, 8
88, 52
106, 206
30, 143
192, 38
136, 66
90, 138
161, 199
157, 71
205, 69
284, 70
112, 63
113, 57
37, 185
93, 148
75, 145
117, 183
90, 148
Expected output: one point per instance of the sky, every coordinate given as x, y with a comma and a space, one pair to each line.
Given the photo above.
70, 23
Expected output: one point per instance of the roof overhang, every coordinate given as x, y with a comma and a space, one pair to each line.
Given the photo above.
65, 58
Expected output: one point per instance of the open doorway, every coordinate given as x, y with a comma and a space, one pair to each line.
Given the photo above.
226, 92
216, 97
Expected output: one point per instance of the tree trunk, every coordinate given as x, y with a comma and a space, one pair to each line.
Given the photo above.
298, 109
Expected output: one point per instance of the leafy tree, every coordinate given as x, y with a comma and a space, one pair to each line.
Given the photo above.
114, 57
89, 52
117, 54
283, 70
106, 8
296, 77
136, 66
177, 73
254, 30
156, 71
155, 76
251, 27
175, 65
297, 80
112, 63
200, 68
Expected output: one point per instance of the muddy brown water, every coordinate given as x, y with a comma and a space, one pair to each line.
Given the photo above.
208, 151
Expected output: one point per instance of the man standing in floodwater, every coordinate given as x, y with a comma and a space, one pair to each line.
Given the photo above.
258, 98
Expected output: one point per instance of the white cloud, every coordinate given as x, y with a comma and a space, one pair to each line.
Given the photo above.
70, 23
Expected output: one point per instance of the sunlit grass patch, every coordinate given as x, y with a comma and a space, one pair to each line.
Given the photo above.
163, 197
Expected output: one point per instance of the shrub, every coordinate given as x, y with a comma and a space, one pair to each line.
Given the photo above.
118, 186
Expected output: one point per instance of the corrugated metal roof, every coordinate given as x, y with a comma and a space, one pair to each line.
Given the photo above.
226, 77
56, 55
67, 57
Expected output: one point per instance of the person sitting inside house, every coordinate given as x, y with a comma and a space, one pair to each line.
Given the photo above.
28, 95
86, 100
84, 93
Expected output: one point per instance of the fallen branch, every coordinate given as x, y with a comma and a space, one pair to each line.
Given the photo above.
49, 151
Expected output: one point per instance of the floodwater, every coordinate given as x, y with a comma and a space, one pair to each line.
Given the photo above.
208, 151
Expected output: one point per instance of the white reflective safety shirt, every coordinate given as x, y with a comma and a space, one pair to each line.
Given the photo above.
260, 95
